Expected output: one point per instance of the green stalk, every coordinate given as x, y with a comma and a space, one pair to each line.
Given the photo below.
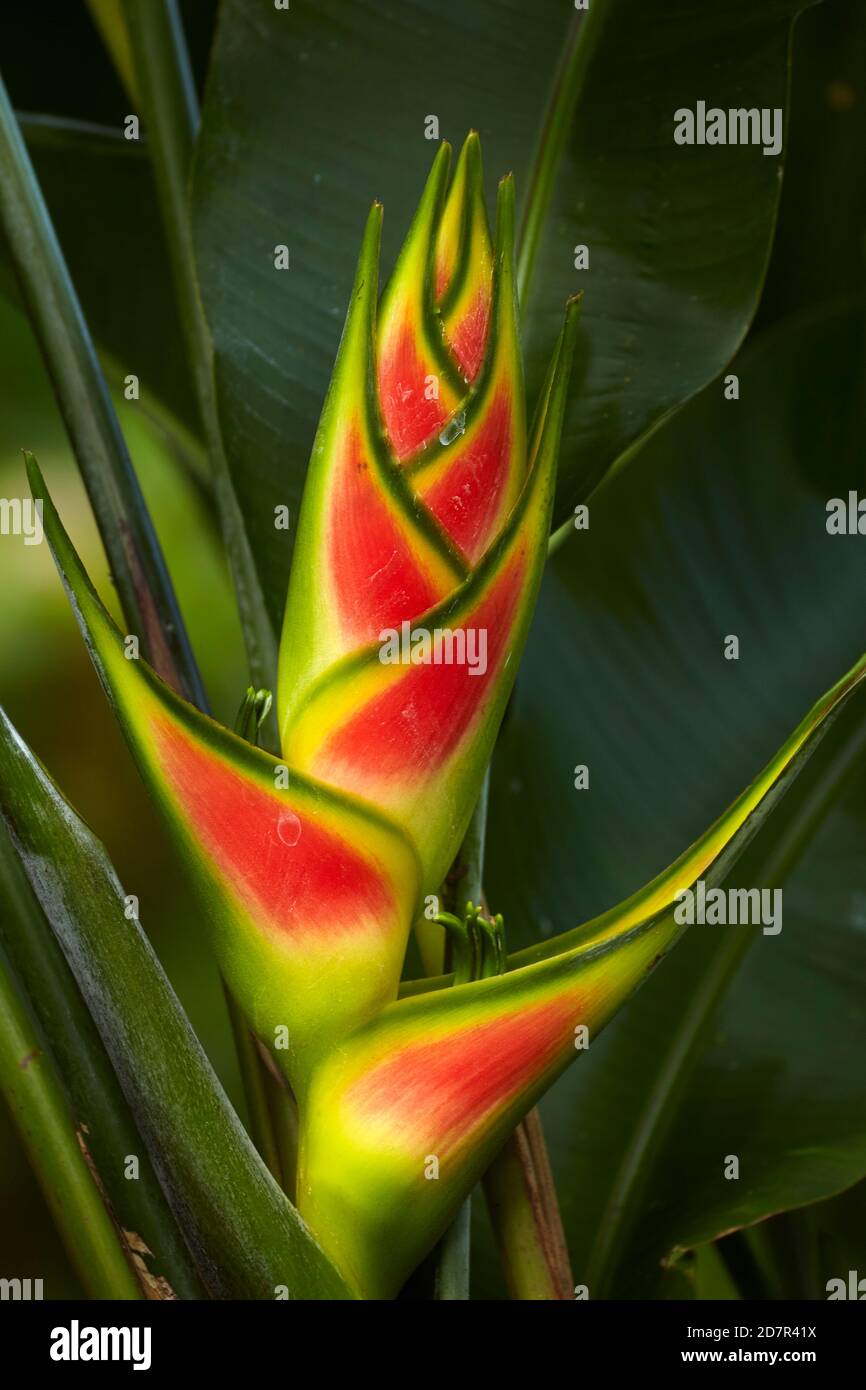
283, 1110
136, 562
255, 1090
89, 1082
519, 1186
35, 1098
524, 1213
170, 110
452, 1257
451, 1271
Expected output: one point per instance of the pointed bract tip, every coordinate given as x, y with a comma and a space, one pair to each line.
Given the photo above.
437, 179
573, 308
470, 156
34, 473
505, 192
372, 230
505, 214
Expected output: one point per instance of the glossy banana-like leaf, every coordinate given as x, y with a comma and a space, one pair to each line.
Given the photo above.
408, 1118
710, 857
307, 894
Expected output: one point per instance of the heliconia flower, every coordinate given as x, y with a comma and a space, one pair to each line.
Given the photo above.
315, 865
426, 512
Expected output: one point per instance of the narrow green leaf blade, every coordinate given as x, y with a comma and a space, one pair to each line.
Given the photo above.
678, 236
96, 1102
31, 1088
131, 544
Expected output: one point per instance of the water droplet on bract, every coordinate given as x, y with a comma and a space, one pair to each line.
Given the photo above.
289, 828
453, 429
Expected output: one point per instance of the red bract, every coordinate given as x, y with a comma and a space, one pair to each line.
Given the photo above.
417, 561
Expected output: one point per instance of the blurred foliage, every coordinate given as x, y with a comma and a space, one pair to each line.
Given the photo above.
51, 692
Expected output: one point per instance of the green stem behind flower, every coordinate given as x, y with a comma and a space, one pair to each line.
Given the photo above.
524, 1213
133, 551
452, 1260
169, 105
519, 1186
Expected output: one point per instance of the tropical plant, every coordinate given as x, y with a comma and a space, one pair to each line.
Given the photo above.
389, 760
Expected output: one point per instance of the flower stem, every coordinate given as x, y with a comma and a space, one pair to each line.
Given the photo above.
169, 105
452, 1258
252, 1076
524, 1213
519, 1186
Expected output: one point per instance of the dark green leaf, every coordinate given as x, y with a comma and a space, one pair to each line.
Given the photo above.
133, 550
31, 1088
720, 530
678, 236
101, 1115
115, 251
818, 253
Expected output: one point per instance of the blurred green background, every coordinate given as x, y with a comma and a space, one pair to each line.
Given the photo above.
48, 684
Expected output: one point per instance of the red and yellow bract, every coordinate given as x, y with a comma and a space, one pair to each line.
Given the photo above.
426, 505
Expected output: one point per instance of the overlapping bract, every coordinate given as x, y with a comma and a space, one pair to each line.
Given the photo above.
314, 866
306, 892
426, 511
